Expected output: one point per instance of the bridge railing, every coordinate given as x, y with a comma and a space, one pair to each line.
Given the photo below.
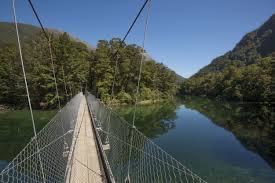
134, 160
54, 142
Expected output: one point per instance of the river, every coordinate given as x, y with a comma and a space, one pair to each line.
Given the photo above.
220, 141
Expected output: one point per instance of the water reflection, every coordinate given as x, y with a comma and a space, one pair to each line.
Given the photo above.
16, 130
190, 130
152, 120
252, 124
222, 142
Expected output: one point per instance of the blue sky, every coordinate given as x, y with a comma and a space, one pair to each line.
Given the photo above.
185, 35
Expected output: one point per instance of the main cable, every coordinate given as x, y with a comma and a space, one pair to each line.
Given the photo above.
122, 41
39, 21
132, 25
51, 55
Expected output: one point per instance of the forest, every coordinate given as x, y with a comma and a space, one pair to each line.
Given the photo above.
78, 68
251, 83
244, 74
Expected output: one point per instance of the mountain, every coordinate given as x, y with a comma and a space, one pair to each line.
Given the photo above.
179, 78
242, 74
8, 34
254, 45
26, 32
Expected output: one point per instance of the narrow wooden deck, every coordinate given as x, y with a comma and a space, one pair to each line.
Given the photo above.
85, 163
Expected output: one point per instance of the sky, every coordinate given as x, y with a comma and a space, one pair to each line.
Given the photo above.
185, 35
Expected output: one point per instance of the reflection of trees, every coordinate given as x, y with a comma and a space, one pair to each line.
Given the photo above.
253, 124
152, 120
16, 130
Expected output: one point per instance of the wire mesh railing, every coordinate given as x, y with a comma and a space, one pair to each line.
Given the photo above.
54, 142
134, 160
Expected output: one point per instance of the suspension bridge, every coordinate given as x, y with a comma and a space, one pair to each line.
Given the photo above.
88, 142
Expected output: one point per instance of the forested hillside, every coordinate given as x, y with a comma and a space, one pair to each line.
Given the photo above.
78, 67
7, 33
245, 73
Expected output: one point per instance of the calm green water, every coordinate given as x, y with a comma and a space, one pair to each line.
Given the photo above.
221, 142
16, 131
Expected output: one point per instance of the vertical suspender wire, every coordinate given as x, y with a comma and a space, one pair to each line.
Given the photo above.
56, 90
123, 40
65, 84
27, 90
70, 87
137, 90
110, 103
114, 79
50, 49
52, 64
53, 70
141, 63
116, 62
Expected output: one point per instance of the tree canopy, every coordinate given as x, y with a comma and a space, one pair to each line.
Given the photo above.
250, 83
78, 67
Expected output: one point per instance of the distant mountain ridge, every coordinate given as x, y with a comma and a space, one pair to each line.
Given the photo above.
8, 34
254, 45
246, 73
26, 32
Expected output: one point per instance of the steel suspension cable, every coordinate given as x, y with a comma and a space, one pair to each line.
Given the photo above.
51, 51
38, 19
27, 89
141, 61
138, 86
64, 80
55, 82
48, 38
131, 26
115, 55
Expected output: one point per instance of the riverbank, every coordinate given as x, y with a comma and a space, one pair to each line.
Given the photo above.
221, 99
143, 102
5, 108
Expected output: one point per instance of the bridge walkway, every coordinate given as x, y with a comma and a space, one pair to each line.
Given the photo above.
85, 166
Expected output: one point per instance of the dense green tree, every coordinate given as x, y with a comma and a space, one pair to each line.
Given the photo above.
247, 83
76, 67
11, 87
157, 81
